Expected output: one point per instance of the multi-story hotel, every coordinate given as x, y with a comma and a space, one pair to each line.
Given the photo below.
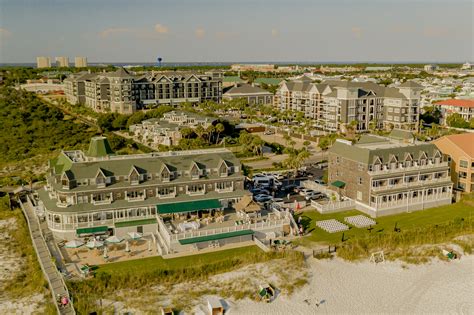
62, 62
386, 175
335, 104
43, 62
465, 108
124, 92
80, 62
184, 199
460, 151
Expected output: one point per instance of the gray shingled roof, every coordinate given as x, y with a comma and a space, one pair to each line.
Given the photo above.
246, 89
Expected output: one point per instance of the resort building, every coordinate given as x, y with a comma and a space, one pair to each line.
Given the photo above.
430, 68
183, 199
124, 92
167, 130
252, 94
463, 107
336, 104
386, 175
43, 62
460, 151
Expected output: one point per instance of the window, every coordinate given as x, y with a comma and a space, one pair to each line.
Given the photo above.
359, 180
461, 186
463, 164
165, 191
224, 185
359, 195
360, 166
196, 188
462, 174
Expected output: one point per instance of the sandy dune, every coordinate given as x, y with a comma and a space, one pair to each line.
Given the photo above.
386, 288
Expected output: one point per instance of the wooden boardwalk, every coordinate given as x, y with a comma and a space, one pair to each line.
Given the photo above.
55, 279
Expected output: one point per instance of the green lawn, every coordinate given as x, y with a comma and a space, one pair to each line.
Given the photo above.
385, 224
158, 263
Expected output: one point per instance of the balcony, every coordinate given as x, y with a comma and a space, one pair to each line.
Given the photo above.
413, 184
225, 190
196, 193
106, 201
171, 195
137, 198
408, 168
63, 204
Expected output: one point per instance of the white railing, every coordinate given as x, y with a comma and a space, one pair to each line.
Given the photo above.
139, 198
63, 204
195, 193
225, 190
102, 202
413, 184
248, 226
408, 168
411, 201
167, 196
164, 154
333, 205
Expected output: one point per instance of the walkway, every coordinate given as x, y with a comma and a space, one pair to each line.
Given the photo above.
55, 280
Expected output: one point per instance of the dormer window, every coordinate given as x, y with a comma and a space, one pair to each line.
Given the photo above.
224, 169
134, 176
67, 180
195, 172
100, 178
165, 174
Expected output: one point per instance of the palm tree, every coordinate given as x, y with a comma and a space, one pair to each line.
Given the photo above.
257, 145
219, 129
186, 132
210, 131
199, 131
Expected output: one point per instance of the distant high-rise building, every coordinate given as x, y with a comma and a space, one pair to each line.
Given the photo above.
62, 62
80, 62
43, 62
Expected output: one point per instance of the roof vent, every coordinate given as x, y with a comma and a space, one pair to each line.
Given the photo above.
99, 147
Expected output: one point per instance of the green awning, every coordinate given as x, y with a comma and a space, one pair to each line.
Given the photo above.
215, 237
92, 230
338, 184
135, 223
188, 206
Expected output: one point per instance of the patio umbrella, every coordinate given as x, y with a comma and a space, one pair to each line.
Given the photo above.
74, 244
135, 235
114, 239
127, 246
94, 244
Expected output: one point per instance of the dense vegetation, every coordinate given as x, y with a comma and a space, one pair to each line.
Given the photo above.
30, 127
149, 272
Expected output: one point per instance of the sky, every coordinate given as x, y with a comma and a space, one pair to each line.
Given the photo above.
238, 30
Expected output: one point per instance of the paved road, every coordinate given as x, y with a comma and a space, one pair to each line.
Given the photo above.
52, 274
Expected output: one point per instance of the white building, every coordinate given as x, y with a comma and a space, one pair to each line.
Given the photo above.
43, 62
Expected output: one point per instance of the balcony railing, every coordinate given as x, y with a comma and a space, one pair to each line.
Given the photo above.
106, 201
413, 184
137, 198
407, 168
196, 193
411, 201
225, 190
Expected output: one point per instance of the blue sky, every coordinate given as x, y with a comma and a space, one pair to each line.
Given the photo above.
238, 30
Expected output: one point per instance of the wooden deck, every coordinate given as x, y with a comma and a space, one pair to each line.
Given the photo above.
55, 280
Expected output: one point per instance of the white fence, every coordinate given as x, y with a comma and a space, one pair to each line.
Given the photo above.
333, 206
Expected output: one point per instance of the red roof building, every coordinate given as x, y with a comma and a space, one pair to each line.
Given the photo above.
465, 108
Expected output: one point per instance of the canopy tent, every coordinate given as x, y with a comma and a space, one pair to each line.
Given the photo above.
135, 235
114, 239
338, 184
94, 244
247, 204
188, 206
74, 244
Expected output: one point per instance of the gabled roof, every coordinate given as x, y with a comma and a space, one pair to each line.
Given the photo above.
411, 85
120, 73
469, 103
464, 142
246, 89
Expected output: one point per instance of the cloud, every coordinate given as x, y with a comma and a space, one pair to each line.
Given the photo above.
226, 35
114, 30
356, 31
5, 33
275, 32
200, 32
161, 29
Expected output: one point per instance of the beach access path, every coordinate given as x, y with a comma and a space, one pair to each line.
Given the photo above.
55, 280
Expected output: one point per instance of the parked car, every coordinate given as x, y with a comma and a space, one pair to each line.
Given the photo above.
259, 191
290, 188
319, 181
262, 198
305, 191
322, 165
314, 195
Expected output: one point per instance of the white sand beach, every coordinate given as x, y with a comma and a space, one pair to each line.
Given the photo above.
385, 288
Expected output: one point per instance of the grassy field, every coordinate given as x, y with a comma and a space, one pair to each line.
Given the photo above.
152, 264
405, 221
